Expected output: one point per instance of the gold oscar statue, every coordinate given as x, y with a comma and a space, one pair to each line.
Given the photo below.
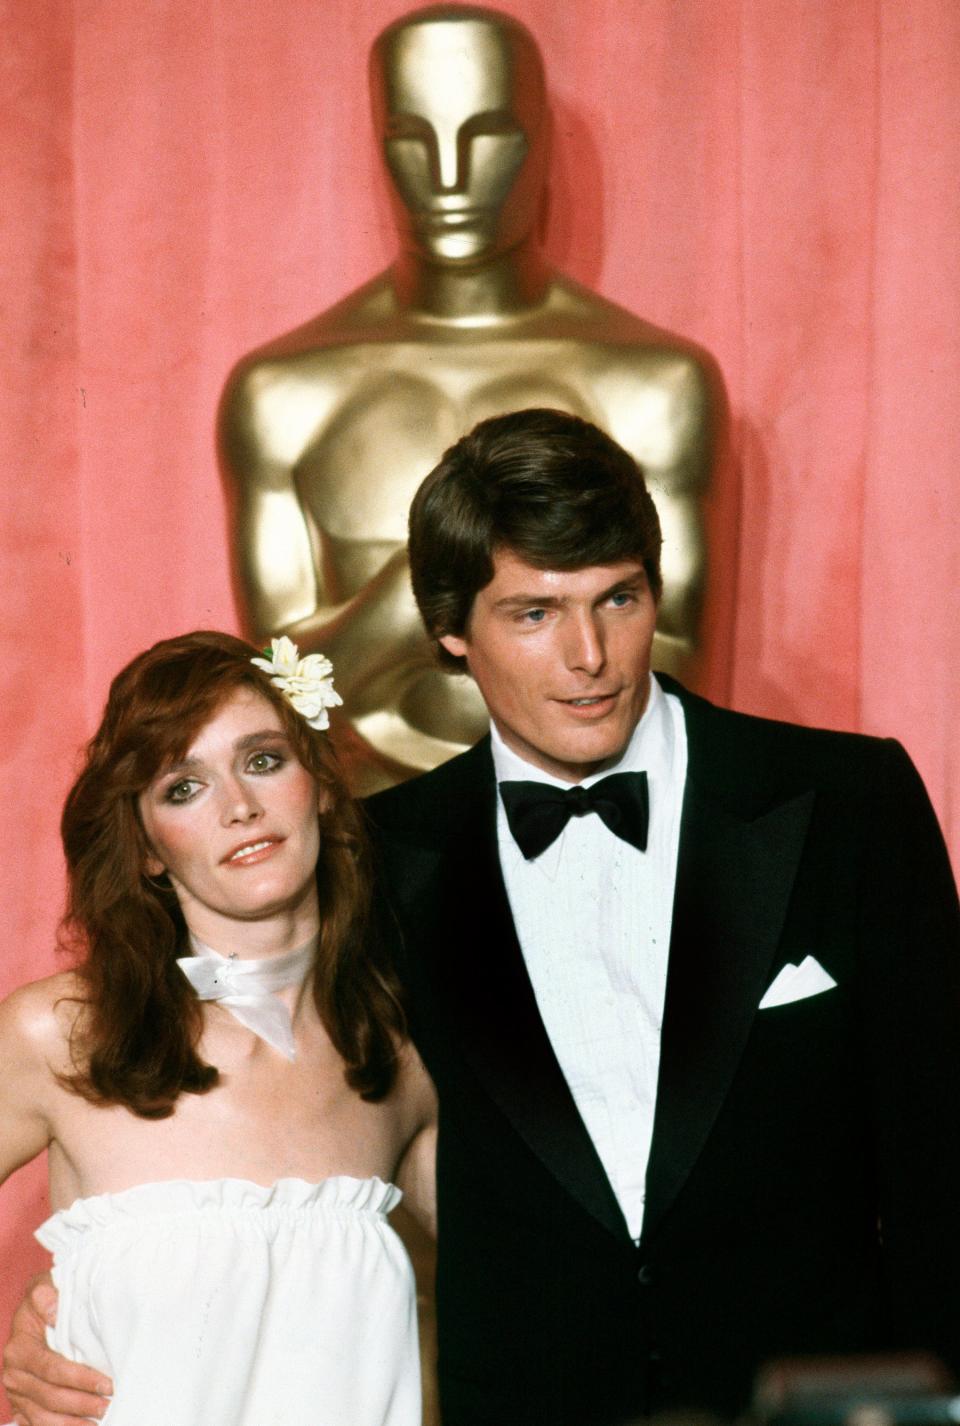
325, 433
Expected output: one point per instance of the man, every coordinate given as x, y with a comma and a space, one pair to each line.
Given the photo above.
696, 1046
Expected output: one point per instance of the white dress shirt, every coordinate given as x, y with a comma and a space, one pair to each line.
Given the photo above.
593, 919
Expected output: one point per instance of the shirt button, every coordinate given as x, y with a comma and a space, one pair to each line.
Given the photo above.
645, 1275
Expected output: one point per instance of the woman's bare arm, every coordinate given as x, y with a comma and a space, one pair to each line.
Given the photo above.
416, 1174
27, 1030
44, 1389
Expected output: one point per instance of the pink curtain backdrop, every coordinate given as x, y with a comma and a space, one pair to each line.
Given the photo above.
774, 178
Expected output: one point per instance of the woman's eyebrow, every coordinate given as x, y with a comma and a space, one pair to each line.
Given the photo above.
252, 740
242, 745
184, 764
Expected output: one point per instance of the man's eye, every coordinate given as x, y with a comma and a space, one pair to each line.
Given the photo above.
622, 598
265, 762
533, 616
181, 791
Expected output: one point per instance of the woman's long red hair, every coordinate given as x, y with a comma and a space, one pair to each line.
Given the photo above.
137, 1036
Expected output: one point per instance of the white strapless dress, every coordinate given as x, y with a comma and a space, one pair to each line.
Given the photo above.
227, 1304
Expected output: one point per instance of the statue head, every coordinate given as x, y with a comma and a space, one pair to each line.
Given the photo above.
459, 106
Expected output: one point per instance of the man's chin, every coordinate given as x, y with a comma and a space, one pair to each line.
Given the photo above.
577, 759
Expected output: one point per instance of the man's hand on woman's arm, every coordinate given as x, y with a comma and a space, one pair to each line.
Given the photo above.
44, 1388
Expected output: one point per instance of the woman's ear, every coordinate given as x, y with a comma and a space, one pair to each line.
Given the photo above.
152, 865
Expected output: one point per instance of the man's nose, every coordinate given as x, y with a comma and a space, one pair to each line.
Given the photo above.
584, 644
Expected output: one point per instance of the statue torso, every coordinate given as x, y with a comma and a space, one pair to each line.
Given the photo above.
358, 406
370, 398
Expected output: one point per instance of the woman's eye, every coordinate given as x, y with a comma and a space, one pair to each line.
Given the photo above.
265, 762
181, 791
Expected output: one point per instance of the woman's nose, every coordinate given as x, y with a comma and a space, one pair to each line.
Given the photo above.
240, 804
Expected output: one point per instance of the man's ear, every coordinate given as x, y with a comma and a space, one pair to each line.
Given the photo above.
454, 645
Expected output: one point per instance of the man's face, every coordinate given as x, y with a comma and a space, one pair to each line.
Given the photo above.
562, 658
459, 106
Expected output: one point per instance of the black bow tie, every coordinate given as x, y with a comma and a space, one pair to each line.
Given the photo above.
538, 812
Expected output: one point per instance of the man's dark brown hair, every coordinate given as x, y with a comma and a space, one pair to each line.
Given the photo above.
550, 487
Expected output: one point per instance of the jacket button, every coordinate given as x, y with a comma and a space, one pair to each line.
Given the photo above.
645, 1275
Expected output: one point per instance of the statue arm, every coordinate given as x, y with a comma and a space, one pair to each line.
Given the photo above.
677, 440
260, 446
283, 573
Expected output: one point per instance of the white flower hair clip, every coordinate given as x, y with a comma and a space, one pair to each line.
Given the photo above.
306, 683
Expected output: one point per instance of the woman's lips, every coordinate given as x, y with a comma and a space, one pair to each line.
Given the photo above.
257, 849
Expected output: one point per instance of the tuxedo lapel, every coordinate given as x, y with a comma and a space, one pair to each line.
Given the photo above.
735, 874
740, 845
490, 1012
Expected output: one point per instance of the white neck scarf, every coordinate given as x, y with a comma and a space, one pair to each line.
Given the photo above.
246, 988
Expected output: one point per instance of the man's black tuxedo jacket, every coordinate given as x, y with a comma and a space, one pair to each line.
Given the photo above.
803, 1192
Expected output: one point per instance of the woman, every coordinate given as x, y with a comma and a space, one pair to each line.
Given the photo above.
223, 1081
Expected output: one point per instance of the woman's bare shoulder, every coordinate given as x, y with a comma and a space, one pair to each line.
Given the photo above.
36, 1028
38, 1019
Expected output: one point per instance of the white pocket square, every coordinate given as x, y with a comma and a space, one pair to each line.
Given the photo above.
797, 983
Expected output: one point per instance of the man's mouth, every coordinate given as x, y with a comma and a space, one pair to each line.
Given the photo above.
591, 704
590, 700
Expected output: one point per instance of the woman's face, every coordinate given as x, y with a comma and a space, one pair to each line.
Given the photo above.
235, 825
